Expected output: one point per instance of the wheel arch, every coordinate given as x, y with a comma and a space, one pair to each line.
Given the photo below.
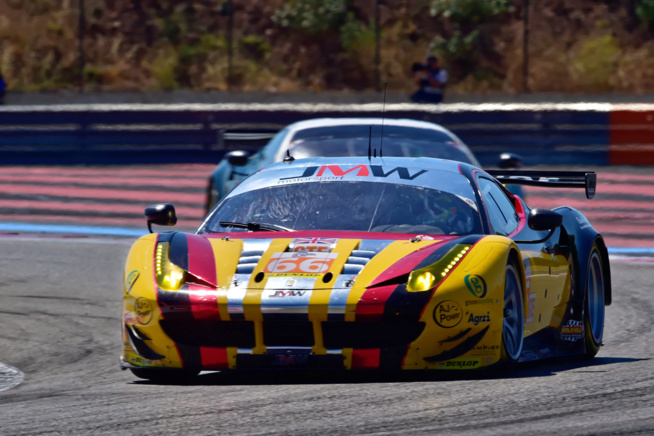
606, 271
513, 254
582, 237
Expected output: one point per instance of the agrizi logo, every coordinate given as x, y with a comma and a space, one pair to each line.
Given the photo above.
476, 319
336, 172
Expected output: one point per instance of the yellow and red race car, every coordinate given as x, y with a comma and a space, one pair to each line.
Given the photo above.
367, 263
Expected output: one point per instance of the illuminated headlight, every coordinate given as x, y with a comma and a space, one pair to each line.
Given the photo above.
427, 278
169, 276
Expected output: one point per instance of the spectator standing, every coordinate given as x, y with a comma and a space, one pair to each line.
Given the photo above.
430, 80
3, 85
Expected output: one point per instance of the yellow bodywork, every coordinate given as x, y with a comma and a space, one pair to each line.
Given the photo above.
458, 309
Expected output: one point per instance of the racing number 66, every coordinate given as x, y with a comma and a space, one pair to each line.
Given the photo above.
299, 264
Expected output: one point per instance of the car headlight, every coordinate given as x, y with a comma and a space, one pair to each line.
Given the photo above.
429, 277
169, 276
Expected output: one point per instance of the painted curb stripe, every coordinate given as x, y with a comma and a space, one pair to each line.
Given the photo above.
10, 377
77, 230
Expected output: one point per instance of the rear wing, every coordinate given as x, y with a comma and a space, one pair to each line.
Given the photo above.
550, 179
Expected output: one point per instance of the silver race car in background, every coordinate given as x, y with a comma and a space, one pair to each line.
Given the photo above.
339, 137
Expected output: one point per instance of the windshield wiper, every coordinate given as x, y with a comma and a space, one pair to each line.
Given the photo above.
256, 227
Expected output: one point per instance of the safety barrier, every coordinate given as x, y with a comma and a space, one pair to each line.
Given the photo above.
580, 133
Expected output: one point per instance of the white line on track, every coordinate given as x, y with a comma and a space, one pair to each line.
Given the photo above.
9, 377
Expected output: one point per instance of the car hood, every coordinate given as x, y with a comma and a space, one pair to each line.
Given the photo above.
294, 261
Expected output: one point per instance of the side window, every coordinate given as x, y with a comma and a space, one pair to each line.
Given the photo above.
270, 151
502, 214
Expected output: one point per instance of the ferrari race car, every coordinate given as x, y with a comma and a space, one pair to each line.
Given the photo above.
367, 263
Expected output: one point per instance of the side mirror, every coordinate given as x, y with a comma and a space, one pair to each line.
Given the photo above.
544, 219
160, 214
510, 161
237, 158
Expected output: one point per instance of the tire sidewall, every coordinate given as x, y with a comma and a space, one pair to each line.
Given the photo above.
592, 344
506, 359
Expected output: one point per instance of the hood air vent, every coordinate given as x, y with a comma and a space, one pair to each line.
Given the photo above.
356, 261
248, 261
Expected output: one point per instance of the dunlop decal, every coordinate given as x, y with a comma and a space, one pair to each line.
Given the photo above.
460, 364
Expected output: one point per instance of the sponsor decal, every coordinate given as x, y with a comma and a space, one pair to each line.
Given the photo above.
361, 170
475, 302
487, 347
324, 245
281, 294
300, 262
572, 331
476, 285
140, 361
295, 275
531, 308
335, 172
460, 364
485, 350
143, 310
448, 314
130, 280
476, 319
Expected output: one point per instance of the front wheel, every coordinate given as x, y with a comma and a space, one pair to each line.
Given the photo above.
513, 329
594, 304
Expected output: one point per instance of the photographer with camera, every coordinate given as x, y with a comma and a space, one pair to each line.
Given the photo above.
430, 80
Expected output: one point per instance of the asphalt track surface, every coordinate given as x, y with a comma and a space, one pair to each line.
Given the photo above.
60, 305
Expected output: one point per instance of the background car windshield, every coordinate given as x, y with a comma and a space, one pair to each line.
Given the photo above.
398, 141
349, 206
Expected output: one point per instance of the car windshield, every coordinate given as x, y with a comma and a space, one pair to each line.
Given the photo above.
347, 206
398, 141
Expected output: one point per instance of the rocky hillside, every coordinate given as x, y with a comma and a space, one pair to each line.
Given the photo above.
317, 45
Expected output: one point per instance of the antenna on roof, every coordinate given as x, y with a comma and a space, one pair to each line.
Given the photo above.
381, 140
288, 157
370, 143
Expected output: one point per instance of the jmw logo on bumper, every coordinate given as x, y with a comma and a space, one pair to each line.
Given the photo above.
282, 294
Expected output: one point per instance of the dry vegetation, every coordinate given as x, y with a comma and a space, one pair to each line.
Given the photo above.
575, 46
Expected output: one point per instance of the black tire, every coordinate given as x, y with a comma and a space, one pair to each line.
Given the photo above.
513, 329
165, 375
594, 303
